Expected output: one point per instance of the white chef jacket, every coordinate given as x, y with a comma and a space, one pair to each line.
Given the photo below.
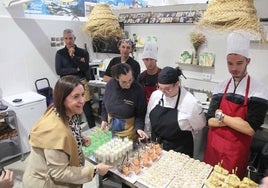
190, 112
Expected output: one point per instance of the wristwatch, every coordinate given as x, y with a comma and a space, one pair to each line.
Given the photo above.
219, 116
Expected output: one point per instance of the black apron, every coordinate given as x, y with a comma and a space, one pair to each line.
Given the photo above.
166, 130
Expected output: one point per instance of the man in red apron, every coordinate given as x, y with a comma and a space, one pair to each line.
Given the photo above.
237, 110
148, 78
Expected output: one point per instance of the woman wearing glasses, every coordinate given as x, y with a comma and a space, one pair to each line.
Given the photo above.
125, 47
124, 104
173, 114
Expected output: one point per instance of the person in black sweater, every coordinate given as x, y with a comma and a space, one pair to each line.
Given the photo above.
125, 47
124, 105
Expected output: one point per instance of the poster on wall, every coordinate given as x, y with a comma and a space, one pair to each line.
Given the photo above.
56, 42
173, 17
73, 8
161, 17
135, 18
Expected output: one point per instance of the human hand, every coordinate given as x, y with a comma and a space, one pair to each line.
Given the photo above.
86, 141
7, 179
142, 135
264, 182
82, 59
71, 51
102, 169
104, 125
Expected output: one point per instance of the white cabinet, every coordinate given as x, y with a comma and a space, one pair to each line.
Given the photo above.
28, 111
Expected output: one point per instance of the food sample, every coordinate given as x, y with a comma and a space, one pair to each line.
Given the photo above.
125, 168
231, 181
137, 169
98, 137
248, 183
136, 161
175, 170
220, 169
113, 150
146, 162
220, 177
154, 157
158, 151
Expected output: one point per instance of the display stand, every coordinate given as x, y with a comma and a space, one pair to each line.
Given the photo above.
10, 142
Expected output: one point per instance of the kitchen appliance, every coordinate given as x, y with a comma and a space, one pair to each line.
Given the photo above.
29, 107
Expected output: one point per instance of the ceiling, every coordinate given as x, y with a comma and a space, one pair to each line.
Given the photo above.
8, 3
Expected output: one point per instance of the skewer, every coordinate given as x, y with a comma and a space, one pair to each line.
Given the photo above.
123, 160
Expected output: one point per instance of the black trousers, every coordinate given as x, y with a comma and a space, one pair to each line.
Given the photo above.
89, 114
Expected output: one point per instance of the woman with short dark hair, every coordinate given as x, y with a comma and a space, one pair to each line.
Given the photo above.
125, 47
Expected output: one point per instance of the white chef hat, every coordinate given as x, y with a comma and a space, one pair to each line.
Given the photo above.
150, 50
238, 43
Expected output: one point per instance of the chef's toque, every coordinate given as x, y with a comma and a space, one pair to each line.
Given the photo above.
150, 50
238, 43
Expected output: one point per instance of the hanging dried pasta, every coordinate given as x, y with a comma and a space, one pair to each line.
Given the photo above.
232, 15
102, 23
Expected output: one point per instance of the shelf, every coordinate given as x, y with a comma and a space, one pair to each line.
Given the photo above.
10, 141
198, 66
11, 148
263, 19
8, 133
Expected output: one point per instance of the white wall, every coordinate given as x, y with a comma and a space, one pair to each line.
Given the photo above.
26, 55
25, 51
173, 39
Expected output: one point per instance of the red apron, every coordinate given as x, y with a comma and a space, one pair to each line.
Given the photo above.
226, 144
149, 89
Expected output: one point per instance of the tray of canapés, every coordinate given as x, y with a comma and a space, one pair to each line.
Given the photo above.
143, 157
221, 177
174, 170
98, 138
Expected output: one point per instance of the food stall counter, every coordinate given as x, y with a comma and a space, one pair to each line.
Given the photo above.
145, 165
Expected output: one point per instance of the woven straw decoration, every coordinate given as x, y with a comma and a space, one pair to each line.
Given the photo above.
102, 23
232, 15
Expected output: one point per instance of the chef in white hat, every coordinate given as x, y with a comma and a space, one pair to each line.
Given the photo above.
237, 110
148, 78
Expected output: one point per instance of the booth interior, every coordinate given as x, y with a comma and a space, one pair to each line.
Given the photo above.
31, 38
